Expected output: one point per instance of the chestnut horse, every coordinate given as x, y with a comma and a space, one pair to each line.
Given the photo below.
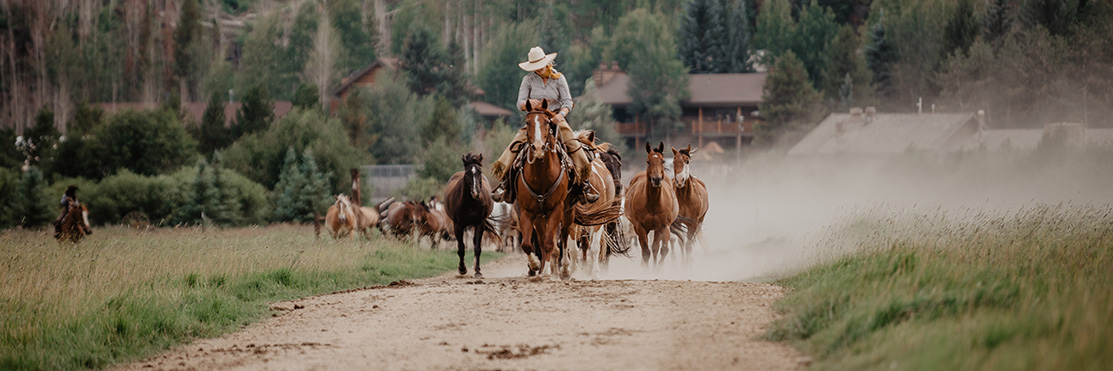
370, 217
403, 218
467, 201
691, 195
342, 219
75, 223
651, 205
604, 167
542, 186
431, 222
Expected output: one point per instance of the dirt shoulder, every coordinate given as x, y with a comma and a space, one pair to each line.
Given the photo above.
507, 322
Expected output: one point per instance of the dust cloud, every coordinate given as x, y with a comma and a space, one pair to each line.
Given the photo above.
773, 215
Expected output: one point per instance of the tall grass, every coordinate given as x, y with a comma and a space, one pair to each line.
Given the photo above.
1032, 289
123, 294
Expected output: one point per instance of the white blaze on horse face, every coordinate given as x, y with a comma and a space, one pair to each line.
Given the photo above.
682, 177
475, 182
537, 142
85, 218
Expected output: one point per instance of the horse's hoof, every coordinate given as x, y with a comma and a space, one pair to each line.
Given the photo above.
531, 273
478, 275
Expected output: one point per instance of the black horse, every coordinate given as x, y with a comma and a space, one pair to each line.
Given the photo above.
467, 201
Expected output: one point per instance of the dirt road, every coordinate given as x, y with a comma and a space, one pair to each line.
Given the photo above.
507, 322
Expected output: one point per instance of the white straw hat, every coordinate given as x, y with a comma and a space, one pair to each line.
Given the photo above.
537, 59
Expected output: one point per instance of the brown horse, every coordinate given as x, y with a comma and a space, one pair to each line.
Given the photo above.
431, 222
651, 205
402, 218
691, 195
467, 201
542, 186
342, 219
368, 218
75, 223
604, 180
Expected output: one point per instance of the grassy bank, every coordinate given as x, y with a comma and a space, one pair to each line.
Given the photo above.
123, 294
945, 291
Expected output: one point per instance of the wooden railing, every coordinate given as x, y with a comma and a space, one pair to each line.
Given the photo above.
693, 126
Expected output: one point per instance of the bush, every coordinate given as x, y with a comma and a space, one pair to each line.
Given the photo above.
301, 189
146, 143
9, 183
30, 205
260, 156
225, 197
117, 195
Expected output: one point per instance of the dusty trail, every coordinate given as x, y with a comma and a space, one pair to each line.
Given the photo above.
506, 322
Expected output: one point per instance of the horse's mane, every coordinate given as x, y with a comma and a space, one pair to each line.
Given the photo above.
685, 152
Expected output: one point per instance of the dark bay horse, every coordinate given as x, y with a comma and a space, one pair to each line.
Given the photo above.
691, 195
467, 201
542, 186
75, 223
651, 205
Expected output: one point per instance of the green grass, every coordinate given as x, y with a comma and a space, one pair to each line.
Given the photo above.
1030, 290
122, 295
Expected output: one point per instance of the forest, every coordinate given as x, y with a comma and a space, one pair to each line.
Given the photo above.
1025, 62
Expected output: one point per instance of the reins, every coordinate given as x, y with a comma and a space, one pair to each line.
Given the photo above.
550, 145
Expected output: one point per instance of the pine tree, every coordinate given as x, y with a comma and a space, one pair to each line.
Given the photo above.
774, 30
32, 208
256, 113
812, 38
219, 202
701, 36
658, 81
998, 22
423, 62
306, 97
196, 197
1057, 16
314, 194
847, 70
961, 29
301, 39
788, 96
290, 183
357, 38
737, 49
880, 56
442, 124
189, 29
213, 134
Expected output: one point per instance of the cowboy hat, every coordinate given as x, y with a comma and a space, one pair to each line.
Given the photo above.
537, 59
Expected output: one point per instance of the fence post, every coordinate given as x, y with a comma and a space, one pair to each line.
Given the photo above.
355, 186
317, 225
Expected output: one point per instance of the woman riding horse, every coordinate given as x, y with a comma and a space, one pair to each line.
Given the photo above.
69, 197
545, 83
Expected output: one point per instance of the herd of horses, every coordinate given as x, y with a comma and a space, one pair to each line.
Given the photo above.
545, 215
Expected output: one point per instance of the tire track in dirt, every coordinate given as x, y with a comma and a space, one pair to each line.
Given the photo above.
506, 322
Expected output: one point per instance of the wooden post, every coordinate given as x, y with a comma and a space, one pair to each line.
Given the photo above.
700, 124
317, 225
355, 186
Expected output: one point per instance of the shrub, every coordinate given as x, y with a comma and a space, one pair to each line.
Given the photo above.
146, 143
117, 195
30, 202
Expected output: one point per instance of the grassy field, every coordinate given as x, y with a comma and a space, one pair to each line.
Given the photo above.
123, 294
1032, 289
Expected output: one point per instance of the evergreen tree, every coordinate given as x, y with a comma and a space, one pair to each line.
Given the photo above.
788, 97
357, 38
10, 156
880, 57
314, 194
442, 124
196, 197
774, 30
31, 202
220, 200
847, 77
848, 12
301, 39
213, 134
1057, 16
658, 81
961, 30
306, 97
812, 38
255, 114
290, 183
454, 86
189, 29
508, 46
423, 62
998, 22
737, 49
701, 36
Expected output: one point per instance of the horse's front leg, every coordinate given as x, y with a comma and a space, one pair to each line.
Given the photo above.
662, 236
463, 269
477, 240
549, 244
528, 246
643, 241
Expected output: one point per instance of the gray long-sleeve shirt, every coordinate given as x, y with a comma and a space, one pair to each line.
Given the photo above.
556, 92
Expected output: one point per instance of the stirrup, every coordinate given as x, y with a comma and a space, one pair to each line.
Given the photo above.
498, 192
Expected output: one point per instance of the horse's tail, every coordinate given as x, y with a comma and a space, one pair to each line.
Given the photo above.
615, 238
684, 226
598, 217
489, 231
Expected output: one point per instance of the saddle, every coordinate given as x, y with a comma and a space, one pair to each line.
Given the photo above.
515, 170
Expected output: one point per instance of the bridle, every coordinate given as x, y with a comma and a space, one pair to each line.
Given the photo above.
550, 145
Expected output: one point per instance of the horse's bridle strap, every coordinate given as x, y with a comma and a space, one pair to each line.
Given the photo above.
541, 198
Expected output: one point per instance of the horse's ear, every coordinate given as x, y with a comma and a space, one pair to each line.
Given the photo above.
591, 136
661, 147
480, 158
545, 104
648, 148
675, 153
529, 107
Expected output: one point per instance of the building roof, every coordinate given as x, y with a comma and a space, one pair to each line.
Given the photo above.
489, 110
347, 82
194, 111
714, 90
843, 133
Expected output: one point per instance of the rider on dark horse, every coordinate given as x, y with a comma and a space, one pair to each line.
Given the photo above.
68, 199
545, 83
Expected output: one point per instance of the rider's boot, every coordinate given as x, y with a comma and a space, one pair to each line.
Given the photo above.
499, 191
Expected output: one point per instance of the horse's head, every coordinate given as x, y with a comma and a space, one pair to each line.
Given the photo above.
540, 128
473, 173
344, 205
420, 213
587, 139
680, 160
613, 161
655, 164
84, 213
